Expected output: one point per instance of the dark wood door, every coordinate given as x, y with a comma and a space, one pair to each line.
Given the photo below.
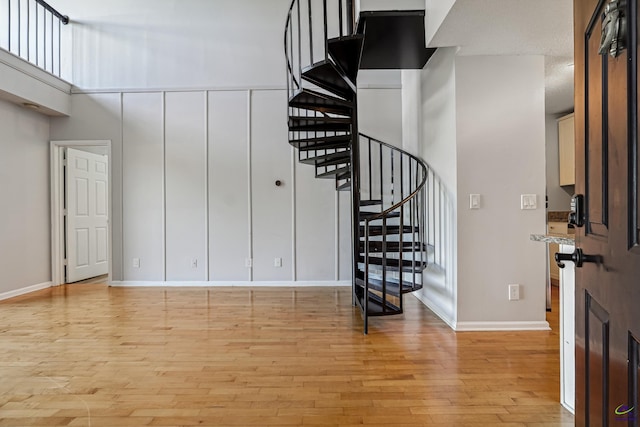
607, 287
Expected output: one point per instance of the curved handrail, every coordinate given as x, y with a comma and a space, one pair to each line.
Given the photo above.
420, 186
286, 43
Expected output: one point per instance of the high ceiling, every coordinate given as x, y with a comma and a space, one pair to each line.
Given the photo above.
517, 27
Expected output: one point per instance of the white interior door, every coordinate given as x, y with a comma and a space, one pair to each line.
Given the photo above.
86, 189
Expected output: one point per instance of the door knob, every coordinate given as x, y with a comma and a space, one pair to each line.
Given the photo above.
578, 257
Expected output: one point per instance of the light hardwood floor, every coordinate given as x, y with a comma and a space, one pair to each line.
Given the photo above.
90, 355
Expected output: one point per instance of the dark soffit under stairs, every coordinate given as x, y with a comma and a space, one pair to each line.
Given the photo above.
346, 52
393, 40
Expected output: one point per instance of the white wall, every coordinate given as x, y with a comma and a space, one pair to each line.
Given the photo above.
434, 90
479, 122
500, 155
194, 178
192, 96
24, 191
436, 12
380, 114
176, 44
559, 197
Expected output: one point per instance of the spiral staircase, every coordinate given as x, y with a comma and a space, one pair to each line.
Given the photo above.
387, 185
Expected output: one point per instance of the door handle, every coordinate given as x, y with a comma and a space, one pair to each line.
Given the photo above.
578, 257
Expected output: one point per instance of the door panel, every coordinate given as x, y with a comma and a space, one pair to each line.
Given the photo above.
86, 220
597, 131
597, 360
607, 288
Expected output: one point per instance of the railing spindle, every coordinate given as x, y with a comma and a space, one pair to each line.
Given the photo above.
59, 50
384, 263
9, 26
381, 176
310, 31
393, 196
29, 30
366, 275
44, 38
51, 34
19, 29
370, 172
326, 38
37, 37
350, 19
299, 46
340, 17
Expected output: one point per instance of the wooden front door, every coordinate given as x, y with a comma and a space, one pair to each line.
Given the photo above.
608, 282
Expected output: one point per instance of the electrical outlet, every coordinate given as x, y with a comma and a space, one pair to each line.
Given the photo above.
136, 263
248, 262
194, 263
277, 262
514, 292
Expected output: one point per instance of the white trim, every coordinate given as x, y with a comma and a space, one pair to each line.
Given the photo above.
294, 216
240, 283
22, 291
336, 236
249, 183
164, 185
81, 91
57, 217
121, 189
503, 326
207, 225
436, 310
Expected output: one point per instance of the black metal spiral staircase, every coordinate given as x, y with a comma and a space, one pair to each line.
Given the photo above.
387, 184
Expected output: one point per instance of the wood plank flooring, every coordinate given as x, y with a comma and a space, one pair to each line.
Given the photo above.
90, 355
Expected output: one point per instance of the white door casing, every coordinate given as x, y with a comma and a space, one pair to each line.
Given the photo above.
86, 188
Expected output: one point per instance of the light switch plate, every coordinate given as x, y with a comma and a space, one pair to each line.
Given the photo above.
474, 201
528, 201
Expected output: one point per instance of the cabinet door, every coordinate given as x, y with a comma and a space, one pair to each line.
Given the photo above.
566, 150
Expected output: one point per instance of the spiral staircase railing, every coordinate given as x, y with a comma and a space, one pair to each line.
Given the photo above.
387, 184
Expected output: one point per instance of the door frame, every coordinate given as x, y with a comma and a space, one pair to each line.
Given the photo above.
57, 215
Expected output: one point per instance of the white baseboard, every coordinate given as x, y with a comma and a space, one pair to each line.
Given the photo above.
503, 326
436, 310
22, 291
257, 284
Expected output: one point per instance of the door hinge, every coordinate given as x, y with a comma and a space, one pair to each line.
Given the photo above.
64, 162
64, 212
65, 262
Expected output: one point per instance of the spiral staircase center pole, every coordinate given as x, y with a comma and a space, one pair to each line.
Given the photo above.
350, 16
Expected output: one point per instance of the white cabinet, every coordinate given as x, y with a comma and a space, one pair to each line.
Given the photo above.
567, 332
